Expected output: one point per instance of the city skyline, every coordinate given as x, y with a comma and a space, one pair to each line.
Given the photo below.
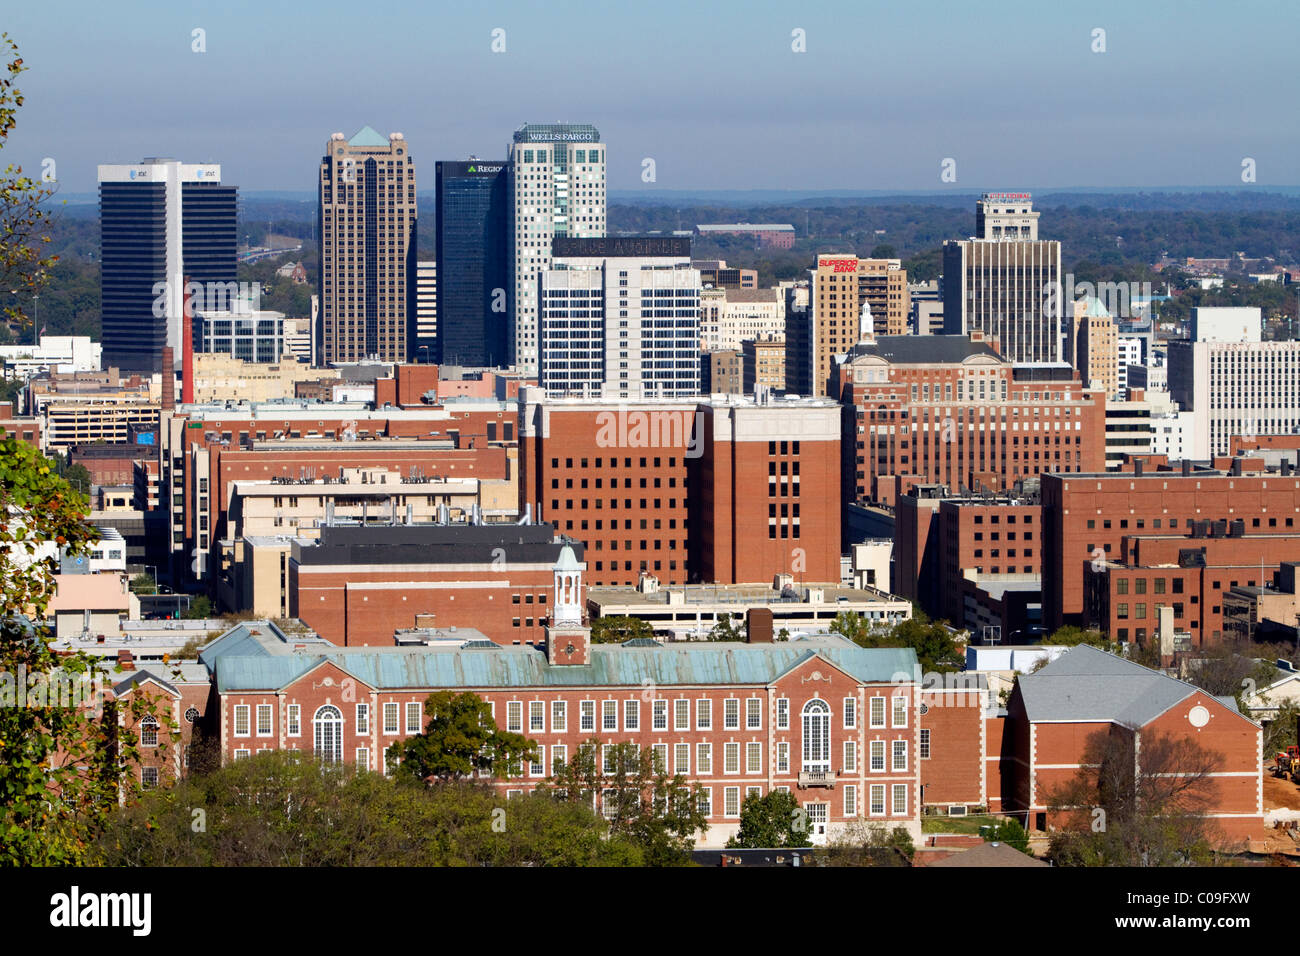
1140, 100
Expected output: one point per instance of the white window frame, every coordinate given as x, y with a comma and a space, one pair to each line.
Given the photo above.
243, 713
682, 759
925, 743
703, 759
850, 800
587, 716
293, 720
877, 788
877, 702
514, 717
850, 713
537, 768
391, 707
753, 713
783, 713
608, 715
706, 801
681, 714
361, 757
414, 726
537, 716
896, 790
898, 756
783, 757
265, 710
631, 715
559, 752
659, 715
559, 716
753, 757
731, 757
660, 752
730, 798
704, 713
850, 756
243, 753
878, 750
899, 709
363, 719
731, 713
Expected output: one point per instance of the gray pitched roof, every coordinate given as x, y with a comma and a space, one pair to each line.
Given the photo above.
925, 349
1088, 684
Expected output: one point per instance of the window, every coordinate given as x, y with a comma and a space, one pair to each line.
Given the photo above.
241, 720
925, 744
631, 714
328, 726
877, 756
660, 752
263, 720
850, 801
706, 801
559, 716
850, 712
363, 718
537, 716
537, 766
242, 754
293, 719
390, 718
559, 756
731, 802
703, 759
362, 758
413, 717
877, 712
850, 756
783, 713
816, 736
607, 758
704, 714
587, 712
731, 758
900, 755
731, 714
782, 757
900, 711
754, 713
877, 799
681, 714
609, 715
753, 757
149, 730
660, 715
682, 758
900, 798
149, 777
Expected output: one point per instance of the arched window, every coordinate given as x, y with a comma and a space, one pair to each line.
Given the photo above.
148, 732
328, 724
816, 736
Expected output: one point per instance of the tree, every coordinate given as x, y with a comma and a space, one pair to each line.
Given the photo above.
64, 760
936, 650
1280, 732
883, 250
726, 630
200, 609
657, 812
620, 628
861, 843
24, 224
1072, 636
281, 808
1121, 811
772, 820
461, 739
1008, 831
143, 584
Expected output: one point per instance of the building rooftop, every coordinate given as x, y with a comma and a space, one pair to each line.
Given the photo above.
925, 349
744, 594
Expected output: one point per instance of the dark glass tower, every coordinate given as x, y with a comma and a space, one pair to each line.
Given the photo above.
160, 221
473, 255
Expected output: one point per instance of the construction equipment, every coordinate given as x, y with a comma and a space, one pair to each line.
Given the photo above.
1287, 763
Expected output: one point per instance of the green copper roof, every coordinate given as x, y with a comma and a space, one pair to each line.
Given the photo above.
368, 137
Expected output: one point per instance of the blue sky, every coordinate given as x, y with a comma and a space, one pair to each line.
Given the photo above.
1013, 92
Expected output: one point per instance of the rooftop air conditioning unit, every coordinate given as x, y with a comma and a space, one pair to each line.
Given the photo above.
957, 811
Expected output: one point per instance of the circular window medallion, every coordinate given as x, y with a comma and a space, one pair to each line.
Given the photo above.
1198, 716
192, 714
925, 709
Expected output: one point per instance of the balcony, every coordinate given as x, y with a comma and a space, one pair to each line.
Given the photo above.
816, 778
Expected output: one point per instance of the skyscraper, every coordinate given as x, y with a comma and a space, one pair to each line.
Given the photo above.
473, 250
367, 249
844, 292
621, 319
160, 221
1001, 281
426, 311
557, 188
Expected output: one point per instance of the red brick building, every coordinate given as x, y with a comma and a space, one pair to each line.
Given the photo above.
1053, 713
24, 429
725, 490
948, 409
1086, 519
832, 723
356, 586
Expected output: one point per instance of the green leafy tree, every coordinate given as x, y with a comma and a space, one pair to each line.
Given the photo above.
459, 740
862, 843
1008, 831
726, 629
772, 820
143, 584
657, 812
1072, 636
935, 648
200, 609
619, 628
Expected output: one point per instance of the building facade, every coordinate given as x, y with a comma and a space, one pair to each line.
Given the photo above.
473, 250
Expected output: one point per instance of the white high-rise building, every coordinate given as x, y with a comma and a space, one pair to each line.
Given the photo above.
557, 189
621, 319
426, 311
1233, 383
